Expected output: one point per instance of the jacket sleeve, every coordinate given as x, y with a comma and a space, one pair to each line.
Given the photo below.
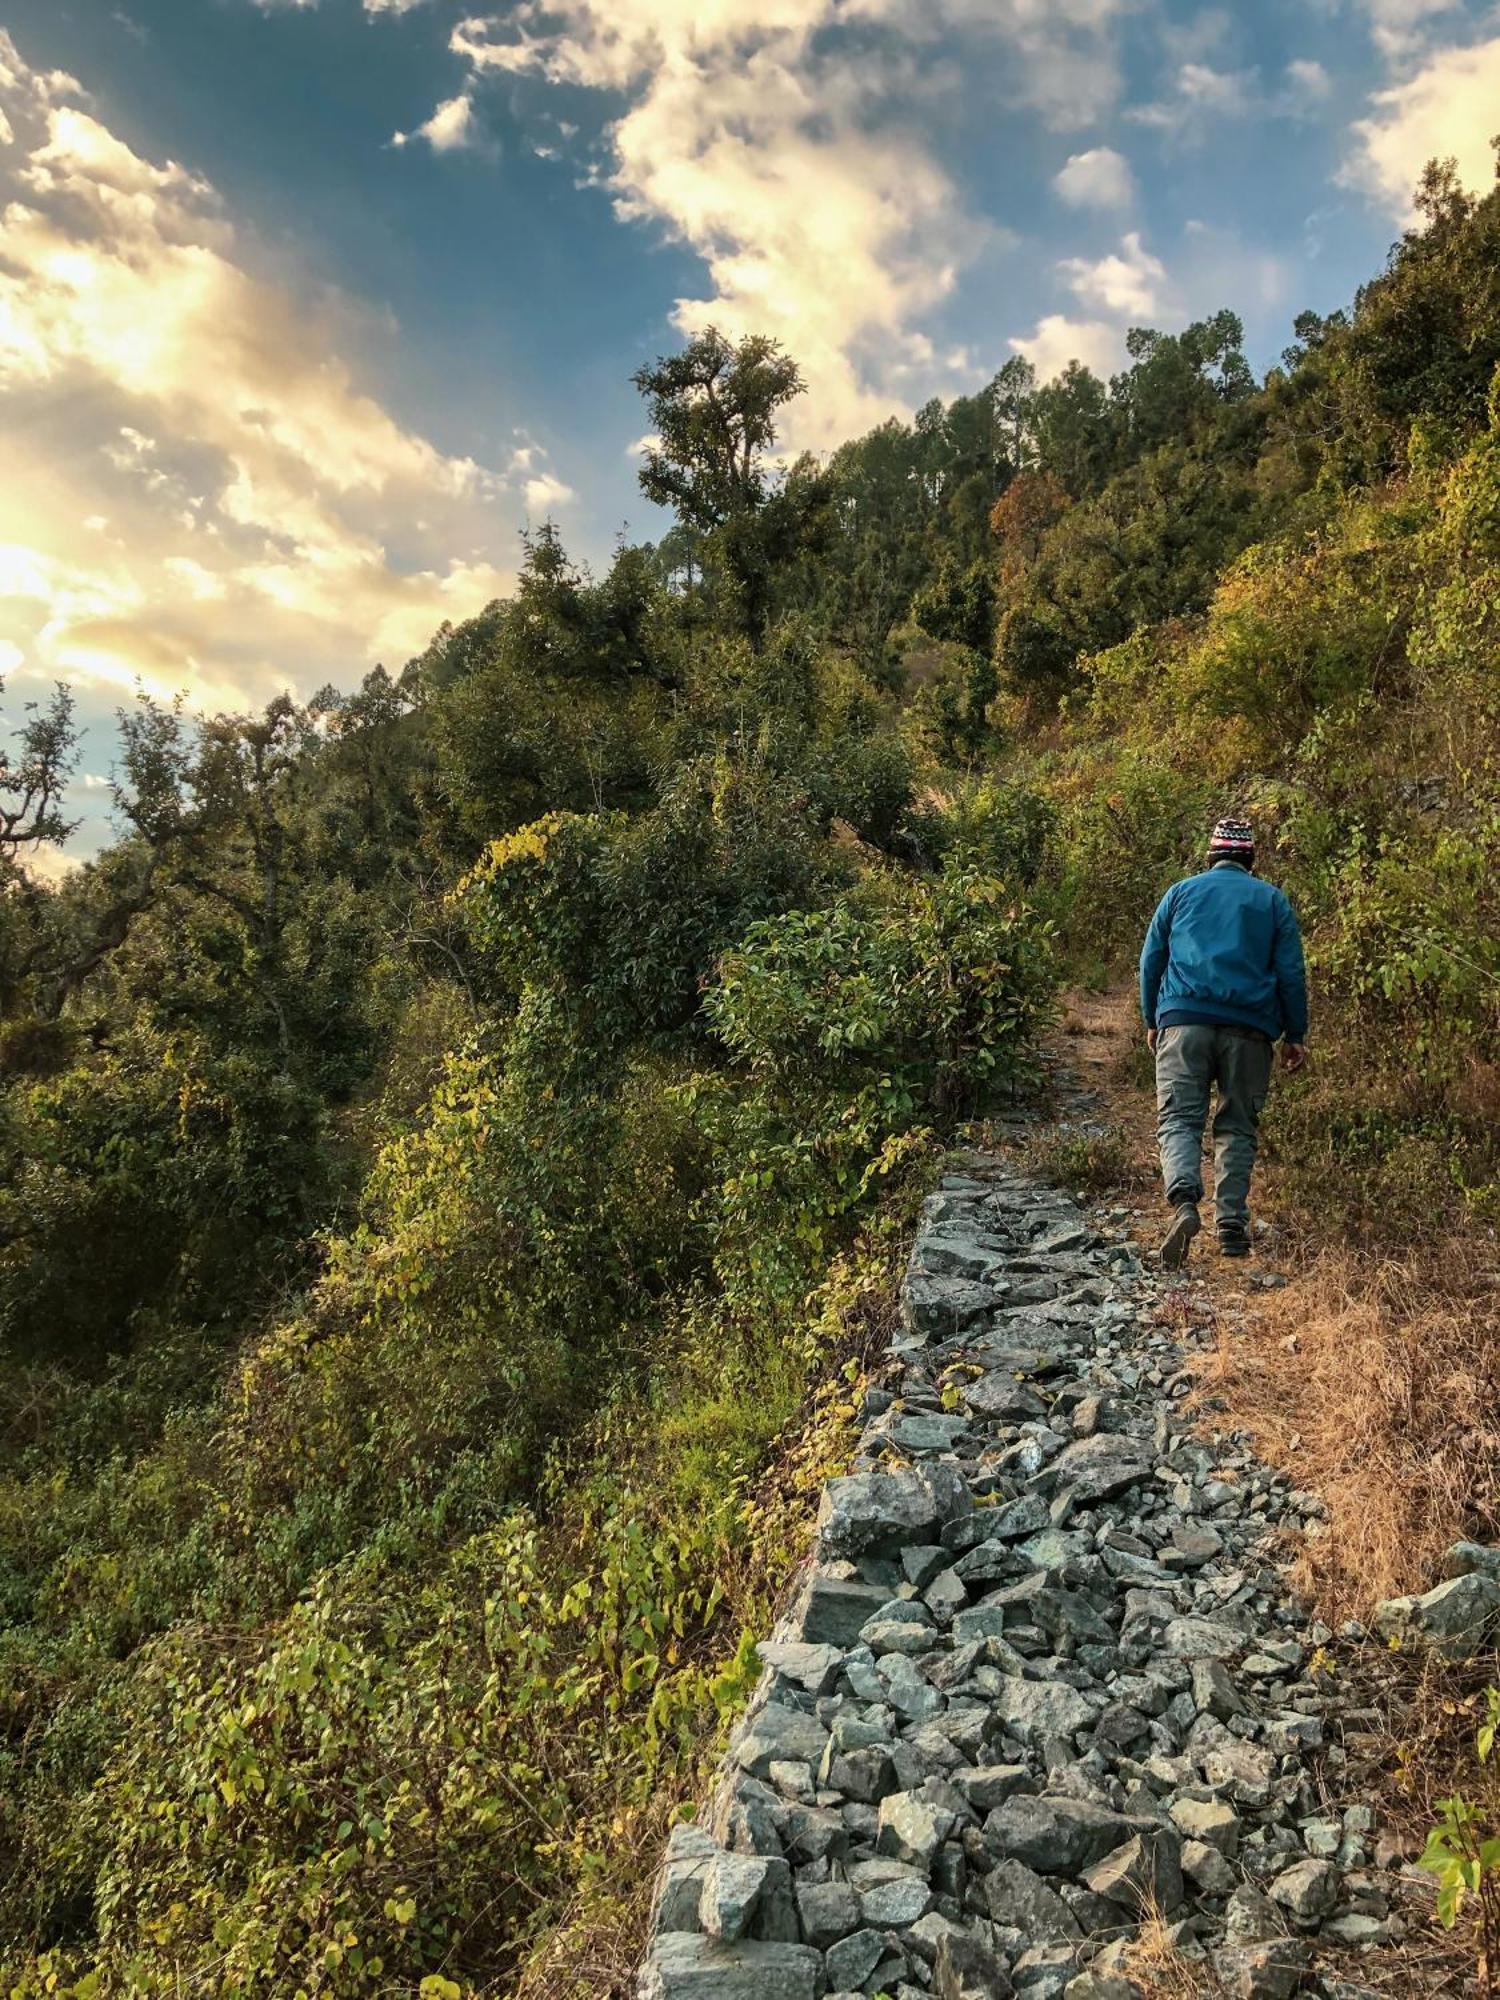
1291, 973
1154, 955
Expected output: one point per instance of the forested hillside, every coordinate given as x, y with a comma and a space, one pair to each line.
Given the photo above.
457, 1138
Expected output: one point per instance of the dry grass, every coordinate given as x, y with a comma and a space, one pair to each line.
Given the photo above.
1160, 1969
1373, 1381
1377, 1385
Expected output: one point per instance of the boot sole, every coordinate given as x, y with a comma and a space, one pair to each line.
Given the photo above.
1174, 1247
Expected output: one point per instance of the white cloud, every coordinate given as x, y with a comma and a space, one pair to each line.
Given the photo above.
449, 127
1099, 178
787, 158
1127, 282
1058, 340
1449, 108
1199, 94
370, 6
545, 491
208, 418
1399, 27
1307, 82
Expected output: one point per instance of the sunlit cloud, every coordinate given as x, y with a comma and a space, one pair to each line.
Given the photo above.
1128, 281
1448, 109
1057, 340
451, 126
545, 491
795, 166
204, 496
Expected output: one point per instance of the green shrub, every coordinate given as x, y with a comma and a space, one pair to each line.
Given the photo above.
903, 1005
1001, 827
182, 1170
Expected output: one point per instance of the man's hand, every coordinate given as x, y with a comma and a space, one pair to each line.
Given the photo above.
1151, 1040
1293, 1055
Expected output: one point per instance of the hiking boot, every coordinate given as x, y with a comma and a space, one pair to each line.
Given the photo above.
1185, 1226
1234, 1243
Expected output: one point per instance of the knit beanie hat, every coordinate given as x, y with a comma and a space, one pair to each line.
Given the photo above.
1232, 840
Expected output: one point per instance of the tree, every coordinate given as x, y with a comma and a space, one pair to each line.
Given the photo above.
1021, 517
1179, 381
1073, 434
33, 778
714, 408
560, 705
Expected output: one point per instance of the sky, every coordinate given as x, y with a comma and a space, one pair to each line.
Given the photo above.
310, 308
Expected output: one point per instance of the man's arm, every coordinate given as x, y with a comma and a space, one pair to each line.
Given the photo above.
1290, 968
1154, 955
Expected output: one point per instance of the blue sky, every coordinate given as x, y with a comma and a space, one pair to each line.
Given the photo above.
306, 309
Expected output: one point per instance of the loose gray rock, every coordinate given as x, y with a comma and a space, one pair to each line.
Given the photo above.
896, 1904
851, 1961
940, 1306
780, 1735
1143, 1874
966, 1971
990, 1785
1101, 1986
827, 1911
1036, 1711
1206, 1868
1203, 1639
1210, 1821
912, 1829
1270, 1971
679, 1893
1097, 1467
1055, 1836
999, 1394
1016, 1895
1451, 1621
834, 1609
870, 1509
1309, 1890
990, 1736
683, 1967
731, 1890
1472, 1559
813, 1667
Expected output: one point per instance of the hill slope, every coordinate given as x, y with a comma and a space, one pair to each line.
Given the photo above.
489, 1101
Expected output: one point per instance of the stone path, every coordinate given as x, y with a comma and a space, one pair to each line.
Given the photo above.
1041, 1681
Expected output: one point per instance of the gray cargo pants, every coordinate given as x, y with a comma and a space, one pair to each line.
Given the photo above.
1190, 1060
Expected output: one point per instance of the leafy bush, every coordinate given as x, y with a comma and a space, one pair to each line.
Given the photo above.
1001, 827
169, 1161
1463, 1850
901, 1004
1131, 826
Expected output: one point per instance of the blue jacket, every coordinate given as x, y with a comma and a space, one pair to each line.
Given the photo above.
1224, 947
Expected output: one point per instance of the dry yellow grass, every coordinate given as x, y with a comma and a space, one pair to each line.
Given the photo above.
1160, 1969
1372, 1381
1377, 1385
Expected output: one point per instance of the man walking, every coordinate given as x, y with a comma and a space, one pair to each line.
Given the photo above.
1222, 978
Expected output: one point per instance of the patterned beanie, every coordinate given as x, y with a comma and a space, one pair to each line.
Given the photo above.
1232, 840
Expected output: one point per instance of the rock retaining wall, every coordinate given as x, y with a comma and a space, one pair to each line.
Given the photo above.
1041, 1678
